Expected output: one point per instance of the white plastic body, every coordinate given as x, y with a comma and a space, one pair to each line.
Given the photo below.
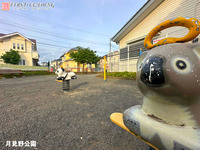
62, 73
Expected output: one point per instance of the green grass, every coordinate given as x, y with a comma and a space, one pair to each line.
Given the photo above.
123, 75
22, 67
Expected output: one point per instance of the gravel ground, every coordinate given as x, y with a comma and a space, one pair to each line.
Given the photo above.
36, 109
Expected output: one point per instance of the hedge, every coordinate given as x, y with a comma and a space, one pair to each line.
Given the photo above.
125, 75
29, 73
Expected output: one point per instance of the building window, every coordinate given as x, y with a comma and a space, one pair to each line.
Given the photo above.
14, 46
196, 40
22, 46
33, 48
124, 53
17, 46
22, 62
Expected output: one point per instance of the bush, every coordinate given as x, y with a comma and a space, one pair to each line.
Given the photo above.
126, 74
11, 57
32, 73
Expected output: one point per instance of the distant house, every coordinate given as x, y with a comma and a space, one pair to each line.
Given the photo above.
44, 64
70, 65
26, 47
100, 63
56, 63
113, 61
62, 57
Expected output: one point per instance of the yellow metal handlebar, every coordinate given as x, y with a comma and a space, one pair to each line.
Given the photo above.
191, 23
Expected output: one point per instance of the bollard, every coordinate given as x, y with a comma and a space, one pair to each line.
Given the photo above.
105, 71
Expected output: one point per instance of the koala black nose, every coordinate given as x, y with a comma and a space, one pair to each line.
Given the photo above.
152, 72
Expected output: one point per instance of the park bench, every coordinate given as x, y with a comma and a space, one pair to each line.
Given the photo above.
10, 71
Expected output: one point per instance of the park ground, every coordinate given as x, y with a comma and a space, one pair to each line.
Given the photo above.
36, 109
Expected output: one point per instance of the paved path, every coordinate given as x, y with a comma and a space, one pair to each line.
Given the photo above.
36, 109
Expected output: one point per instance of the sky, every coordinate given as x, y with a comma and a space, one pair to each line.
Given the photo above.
69, 23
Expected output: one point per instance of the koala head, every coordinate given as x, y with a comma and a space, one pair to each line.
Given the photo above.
171, 70
60, 71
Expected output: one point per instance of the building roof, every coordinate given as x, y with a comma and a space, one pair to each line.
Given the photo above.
16, 33
69, 59
143, 12
76, 48
62, 55
1, 34
59, 59
33, 40
73, 49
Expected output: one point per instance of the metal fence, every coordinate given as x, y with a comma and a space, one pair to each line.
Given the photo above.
123, 65
125, 59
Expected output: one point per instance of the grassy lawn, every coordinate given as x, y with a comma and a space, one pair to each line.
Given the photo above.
22, 67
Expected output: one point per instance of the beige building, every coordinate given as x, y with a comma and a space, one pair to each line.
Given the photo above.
56, 63
100, 64
131, 36
26, 47
113, 61
44, 64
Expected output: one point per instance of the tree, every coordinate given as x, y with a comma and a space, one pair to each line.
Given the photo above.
85, 56
11, 57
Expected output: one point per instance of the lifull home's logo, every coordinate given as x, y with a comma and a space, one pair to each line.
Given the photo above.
27, 6
5, 6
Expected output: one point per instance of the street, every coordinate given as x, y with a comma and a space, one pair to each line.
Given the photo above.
36, 109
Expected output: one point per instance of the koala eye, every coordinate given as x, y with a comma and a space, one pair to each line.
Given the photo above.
181, 65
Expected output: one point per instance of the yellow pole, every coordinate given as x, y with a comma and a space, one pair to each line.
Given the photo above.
104, 68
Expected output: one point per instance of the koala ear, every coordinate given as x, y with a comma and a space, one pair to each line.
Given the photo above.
196, 50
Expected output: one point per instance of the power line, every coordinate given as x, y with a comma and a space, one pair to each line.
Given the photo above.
49, 33
57, 24
53, 45
80, 40
39, 37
